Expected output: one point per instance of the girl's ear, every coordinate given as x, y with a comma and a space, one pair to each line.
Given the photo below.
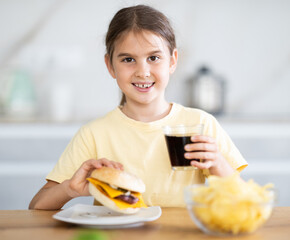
109, 66
173, 61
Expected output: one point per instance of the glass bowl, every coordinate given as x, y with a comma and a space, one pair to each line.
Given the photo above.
227, 217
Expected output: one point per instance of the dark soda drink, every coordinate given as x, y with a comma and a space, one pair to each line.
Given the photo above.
175, 146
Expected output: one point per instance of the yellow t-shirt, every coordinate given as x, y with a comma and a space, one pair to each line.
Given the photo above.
141, 148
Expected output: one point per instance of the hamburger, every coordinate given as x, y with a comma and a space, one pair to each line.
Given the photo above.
116, 189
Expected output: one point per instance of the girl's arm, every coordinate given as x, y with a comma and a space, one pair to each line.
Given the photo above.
53, 195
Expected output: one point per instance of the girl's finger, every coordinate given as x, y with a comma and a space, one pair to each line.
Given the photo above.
206, 147
202, 165
83, 172
120, 166
117, 165
106, 163
202, 138
200, 155
91, 164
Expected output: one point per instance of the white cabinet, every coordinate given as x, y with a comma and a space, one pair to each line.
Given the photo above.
27, 153
266, 147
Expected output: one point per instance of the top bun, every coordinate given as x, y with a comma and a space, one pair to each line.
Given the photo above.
119, 178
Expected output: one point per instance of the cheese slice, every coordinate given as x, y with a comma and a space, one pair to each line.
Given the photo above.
112, 193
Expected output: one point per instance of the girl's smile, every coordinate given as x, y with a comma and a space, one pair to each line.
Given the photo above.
143, 86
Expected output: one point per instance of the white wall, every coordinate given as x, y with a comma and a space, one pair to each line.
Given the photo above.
245, 41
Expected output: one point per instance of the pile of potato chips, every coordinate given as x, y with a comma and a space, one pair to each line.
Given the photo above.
231, 205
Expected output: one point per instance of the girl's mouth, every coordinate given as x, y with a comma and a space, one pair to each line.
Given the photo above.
143, 85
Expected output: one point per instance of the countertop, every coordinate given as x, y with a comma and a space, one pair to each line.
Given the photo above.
174, 223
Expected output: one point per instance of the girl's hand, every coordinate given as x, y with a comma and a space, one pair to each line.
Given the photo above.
206, 149
78, 185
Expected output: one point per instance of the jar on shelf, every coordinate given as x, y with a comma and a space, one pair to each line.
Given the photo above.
208, 91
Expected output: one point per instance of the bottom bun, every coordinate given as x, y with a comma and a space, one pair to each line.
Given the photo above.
107, 202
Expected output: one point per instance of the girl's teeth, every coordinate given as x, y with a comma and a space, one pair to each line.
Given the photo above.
143, 85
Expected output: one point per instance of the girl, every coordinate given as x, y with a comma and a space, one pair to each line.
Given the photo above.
141, 56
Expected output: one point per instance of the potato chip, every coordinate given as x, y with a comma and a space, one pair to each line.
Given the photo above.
232, 205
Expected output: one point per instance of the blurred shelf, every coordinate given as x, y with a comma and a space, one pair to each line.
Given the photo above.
8, 168
262, 167
38, 130
237, 129
257, 129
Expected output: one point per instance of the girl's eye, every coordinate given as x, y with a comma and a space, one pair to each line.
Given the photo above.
153, 58
128, 60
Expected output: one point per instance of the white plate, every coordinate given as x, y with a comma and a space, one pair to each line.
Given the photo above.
102, 217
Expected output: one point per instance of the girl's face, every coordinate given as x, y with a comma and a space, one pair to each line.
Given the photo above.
142, 64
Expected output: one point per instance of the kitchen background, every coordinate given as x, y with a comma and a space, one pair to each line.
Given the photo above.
53, 79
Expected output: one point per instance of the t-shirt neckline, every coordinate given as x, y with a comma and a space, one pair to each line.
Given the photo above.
151, 125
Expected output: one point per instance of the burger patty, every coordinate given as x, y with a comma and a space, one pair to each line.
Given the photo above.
128, 198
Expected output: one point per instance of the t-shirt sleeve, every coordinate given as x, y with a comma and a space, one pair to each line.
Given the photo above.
81, 148
225, 144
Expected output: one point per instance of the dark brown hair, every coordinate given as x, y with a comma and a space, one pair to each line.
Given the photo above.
138, 18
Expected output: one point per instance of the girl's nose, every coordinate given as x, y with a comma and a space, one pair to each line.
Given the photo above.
142, 70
